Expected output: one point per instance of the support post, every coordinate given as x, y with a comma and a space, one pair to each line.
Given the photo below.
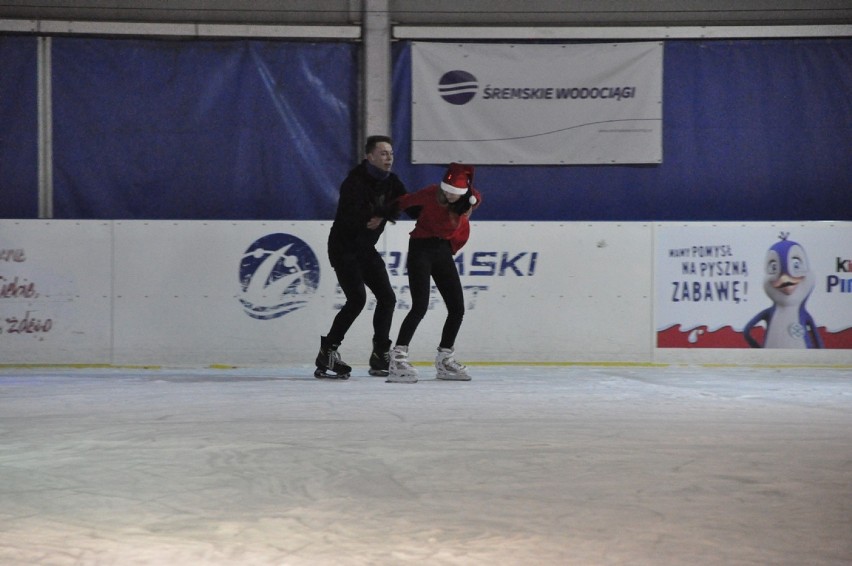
45, 129
377, 67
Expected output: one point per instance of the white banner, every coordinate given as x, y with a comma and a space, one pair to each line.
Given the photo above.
537, 104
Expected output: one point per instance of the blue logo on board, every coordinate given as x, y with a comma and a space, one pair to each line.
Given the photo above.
278, 273
458, 87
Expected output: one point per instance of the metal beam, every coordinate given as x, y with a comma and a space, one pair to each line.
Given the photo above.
352, 32
455, 33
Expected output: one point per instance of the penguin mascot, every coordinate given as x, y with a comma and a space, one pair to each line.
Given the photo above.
788, 281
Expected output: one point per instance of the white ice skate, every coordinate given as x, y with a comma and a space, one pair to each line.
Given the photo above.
448, 368
400, 370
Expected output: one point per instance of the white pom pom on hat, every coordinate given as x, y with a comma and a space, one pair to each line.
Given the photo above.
458, 179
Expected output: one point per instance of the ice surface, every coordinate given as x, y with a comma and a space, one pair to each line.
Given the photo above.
523, 465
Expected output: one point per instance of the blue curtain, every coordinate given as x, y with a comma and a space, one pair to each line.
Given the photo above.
174, 129
18, 127
752, 130
201, 129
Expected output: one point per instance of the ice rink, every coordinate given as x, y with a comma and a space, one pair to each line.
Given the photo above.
544, 465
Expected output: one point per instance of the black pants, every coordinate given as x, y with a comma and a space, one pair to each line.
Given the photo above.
355, 273
432, 258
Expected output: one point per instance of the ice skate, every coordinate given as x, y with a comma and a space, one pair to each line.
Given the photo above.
380, 358
448, 368
329, 364
400, 370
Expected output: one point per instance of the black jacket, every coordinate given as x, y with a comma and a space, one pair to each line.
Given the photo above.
362, 197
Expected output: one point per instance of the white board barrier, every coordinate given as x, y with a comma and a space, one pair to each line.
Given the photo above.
168, 293
55, 292
179, 297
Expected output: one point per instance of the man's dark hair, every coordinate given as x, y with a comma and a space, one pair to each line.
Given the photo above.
373, 141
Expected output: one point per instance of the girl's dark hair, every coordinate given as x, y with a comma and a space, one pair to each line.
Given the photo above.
463, 204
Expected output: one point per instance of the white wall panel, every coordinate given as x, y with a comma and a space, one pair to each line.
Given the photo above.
166, 293
178, 288
540, 292
55, 292
587, 299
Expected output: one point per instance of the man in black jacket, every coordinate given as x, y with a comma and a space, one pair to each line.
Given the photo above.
364, 207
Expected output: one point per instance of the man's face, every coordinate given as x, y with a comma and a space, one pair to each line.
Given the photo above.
381, 156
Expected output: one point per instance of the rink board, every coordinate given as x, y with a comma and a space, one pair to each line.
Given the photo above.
56, 291
196, 292
524, 296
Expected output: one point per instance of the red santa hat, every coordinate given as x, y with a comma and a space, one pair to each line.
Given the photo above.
458, 178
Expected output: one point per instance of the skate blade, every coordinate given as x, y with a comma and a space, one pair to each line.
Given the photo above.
323, 374
452, 378
401, 381
378, 372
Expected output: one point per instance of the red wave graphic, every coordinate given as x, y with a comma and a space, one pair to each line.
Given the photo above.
727, 337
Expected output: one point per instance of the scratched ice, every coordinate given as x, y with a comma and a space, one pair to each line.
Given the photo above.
522, 465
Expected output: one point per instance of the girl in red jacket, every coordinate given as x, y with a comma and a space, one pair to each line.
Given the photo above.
442, 228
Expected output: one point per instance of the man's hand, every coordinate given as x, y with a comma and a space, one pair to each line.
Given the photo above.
374, 222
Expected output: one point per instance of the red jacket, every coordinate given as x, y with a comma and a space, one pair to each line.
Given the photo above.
436, 220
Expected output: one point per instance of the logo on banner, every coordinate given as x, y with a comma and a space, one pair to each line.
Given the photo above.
278, 273
458, 87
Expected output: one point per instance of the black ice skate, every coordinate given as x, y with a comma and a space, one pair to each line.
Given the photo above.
329, 364
380, 358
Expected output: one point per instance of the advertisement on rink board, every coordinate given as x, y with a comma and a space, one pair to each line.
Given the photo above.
575, 104
55, 280
279, 273
161, 292
520, 303
761, 285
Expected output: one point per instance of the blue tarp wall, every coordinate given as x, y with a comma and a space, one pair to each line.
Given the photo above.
247, 130
18, 127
